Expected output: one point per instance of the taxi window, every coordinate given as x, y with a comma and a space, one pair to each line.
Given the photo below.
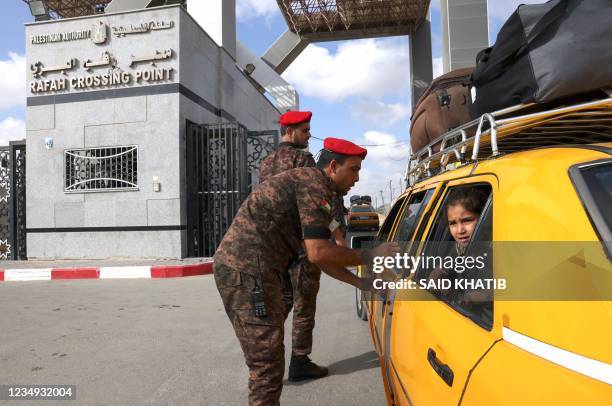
463, 229
385, 230
594, 185
411, 215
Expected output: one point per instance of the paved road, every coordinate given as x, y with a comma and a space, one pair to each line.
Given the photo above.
165, 342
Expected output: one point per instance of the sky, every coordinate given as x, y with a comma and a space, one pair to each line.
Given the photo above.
358, 90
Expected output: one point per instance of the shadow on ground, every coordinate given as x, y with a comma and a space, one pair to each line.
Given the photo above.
367, 360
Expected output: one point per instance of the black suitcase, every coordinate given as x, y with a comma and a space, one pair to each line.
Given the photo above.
545, 52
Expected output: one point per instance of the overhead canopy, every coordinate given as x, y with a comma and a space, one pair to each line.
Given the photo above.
316, 19
79, 8
73, 8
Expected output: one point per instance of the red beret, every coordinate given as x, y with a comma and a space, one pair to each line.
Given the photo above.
344, 147
295, 117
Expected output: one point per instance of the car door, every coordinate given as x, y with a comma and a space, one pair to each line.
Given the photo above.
414, 213
433, 344
376, 301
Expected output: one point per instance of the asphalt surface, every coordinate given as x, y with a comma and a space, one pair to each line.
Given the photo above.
166, 342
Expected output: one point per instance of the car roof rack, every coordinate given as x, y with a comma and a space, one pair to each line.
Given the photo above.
502, 132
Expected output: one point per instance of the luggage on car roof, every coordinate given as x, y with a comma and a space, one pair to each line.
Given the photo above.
442, 107
544, 52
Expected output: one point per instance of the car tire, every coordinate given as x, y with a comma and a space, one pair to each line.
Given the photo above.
360, 305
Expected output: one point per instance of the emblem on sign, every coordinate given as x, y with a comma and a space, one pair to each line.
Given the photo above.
99, 32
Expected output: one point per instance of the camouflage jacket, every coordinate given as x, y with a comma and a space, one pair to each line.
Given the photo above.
286, 157
338, 214
268, 230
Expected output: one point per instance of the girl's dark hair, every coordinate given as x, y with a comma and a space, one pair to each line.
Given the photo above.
325, 157
471, 198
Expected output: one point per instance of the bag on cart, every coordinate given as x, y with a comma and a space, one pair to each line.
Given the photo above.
442, 107
544, 52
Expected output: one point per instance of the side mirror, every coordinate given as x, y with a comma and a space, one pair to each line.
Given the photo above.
362, 241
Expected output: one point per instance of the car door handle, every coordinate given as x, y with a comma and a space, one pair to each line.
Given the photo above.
441, 369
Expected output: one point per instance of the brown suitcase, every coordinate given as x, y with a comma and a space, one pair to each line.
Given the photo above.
442, 107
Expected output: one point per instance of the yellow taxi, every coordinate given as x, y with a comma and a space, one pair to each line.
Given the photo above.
363, 216
543, 178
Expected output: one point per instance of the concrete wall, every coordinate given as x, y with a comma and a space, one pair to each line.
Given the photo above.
211, 73
204, 87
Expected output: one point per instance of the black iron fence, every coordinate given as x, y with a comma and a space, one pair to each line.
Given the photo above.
13, 243
222, 169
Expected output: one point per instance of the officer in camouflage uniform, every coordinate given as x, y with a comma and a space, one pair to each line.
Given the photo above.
295, 127
302, 295
301, 288
286, 214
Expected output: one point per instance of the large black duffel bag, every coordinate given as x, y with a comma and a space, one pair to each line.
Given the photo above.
544, 52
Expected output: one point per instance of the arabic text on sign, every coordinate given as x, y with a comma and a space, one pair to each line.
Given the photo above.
142, 28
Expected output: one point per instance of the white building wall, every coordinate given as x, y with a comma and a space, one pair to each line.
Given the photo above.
204, 87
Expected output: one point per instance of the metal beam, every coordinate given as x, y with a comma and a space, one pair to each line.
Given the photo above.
266, 79
284, 51
464, 32
361, 33
289, 45
421, 69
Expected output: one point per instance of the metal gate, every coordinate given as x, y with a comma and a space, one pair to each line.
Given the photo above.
222, 169
12, 201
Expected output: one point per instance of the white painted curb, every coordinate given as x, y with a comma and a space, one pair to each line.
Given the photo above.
125, 272
109, 272
27, 274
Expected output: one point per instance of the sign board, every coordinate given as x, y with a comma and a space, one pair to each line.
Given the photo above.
61, 54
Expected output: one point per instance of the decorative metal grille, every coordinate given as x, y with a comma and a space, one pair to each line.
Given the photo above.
5, 195
259, 145
12, 201
222, 169
18, 203
101, 169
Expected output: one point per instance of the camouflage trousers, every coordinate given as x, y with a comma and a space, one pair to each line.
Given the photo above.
261, 338
300, 292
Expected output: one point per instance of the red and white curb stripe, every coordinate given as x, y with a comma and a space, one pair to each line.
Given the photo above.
110, 272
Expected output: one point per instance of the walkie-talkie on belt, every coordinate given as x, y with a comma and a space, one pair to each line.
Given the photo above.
257, 298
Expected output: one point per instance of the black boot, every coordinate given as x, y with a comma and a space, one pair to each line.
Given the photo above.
302, 368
